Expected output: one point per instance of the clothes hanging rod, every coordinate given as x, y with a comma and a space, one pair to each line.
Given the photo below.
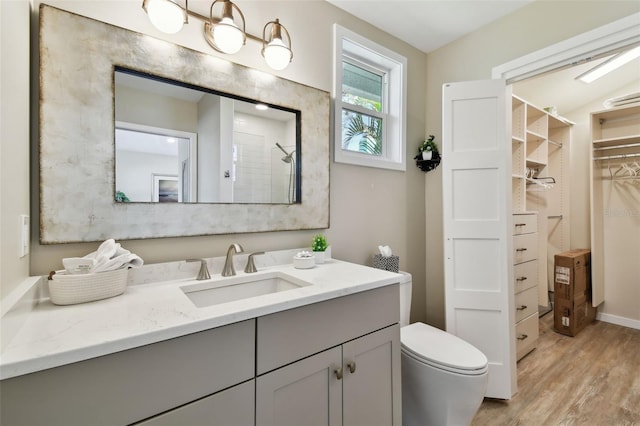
604, 148
615, 157
555, 143
624, 178
555, 216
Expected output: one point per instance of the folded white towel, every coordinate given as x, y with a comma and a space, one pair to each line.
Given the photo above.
111, 256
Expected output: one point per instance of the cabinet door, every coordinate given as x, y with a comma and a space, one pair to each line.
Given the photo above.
233, 406
371, 387
307, 392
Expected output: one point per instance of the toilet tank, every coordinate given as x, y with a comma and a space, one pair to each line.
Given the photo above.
405, 298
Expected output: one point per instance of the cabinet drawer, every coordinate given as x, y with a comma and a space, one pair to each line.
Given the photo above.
525, 275
526, 303
233, 406
526, 335
135, 384
525, 248
288, 336
525, 223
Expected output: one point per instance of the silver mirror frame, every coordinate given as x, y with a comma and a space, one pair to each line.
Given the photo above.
77, 177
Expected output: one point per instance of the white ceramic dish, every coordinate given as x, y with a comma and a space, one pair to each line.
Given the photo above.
304, 262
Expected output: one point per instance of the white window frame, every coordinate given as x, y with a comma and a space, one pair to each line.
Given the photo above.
364, 52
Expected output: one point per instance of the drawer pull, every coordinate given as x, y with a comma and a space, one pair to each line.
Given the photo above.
521, 307
352, 367
521, 249
338, 372
522, 337
521, 279
521, 224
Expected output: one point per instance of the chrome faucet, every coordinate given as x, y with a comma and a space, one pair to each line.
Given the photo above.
228, 269
203, 274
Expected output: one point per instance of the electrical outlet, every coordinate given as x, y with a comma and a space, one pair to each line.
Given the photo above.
23, 249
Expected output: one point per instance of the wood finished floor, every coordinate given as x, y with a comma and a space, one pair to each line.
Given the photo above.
590, 379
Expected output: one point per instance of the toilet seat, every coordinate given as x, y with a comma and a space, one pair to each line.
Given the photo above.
442, 350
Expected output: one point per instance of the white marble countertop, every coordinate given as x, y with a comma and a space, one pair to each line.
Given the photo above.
51, 336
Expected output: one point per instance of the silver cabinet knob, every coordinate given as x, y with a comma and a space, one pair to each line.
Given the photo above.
352, 367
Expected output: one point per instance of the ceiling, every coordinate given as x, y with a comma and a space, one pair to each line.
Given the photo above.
430, 24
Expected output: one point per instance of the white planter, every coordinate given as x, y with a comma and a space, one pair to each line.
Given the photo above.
319, 255
426, 155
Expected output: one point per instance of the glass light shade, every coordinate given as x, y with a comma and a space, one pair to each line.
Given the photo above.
227, 36
165, 15
277, 55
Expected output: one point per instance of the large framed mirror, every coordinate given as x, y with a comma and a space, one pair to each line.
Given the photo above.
210, 147
80, 122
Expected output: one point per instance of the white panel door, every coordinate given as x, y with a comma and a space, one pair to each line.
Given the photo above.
476, 182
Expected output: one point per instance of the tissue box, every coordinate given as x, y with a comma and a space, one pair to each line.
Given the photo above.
387, 263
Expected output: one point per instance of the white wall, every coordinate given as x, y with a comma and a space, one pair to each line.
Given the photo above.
14, 139
535, 26
369, 207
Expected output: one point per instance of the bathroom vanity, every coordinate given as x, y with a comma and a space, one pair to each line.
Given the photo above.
327, 352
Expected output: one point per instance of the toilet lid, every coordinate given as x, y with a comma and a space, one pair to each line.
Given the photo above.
438, 348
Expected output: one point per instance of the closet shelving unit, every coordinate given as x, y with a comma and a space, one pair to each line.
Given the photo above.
539, 147
615, 135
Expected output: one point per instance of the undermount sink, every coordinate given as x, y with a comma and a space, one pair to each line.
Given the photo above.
223, 290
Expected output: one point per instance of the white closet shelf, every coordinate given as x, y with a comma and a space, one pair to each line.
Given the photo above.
609, 142
533, 136
532, 162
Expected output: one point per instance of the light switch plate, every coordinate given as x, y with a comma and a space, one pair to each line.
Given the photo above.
23, 249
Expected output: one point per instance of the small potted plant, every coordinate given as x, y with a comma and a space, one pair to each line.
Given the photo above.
428, 150
319, 246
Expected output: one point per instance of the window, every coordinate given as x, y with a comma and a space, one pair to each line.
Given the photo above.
369, 94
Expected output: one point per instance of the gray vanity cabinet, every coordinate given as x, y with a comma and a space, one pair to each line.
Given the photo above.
331, 363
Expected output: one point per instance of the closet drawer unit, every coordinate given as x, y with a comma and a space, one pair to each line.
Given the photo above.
525, 248
526, 303
525, 223
526, 335
525, 275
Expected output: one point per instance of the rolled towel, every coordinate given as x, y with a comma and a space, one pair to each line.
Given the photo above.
123, 261
110, 256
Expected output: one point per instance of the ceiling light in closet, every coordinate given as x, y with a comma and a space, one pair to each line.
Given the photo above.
609, 65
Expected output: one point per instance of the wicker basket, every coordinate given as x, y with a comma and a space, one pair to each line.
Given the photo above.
68, 289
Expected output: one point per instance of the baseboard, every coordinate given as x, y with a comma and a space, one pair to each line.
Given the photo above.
614, 319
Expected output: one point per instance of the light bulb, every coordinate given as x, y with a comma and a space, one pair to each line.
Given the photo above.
227, 36
165, 15
277, 55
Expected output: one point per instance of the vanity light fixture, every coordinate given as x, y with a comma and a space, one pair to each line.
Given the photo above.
609, 65
226, 32
165, 15
276, 53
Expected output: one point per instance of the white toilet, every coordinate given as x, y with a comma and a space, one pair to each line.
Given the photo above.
444, 378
